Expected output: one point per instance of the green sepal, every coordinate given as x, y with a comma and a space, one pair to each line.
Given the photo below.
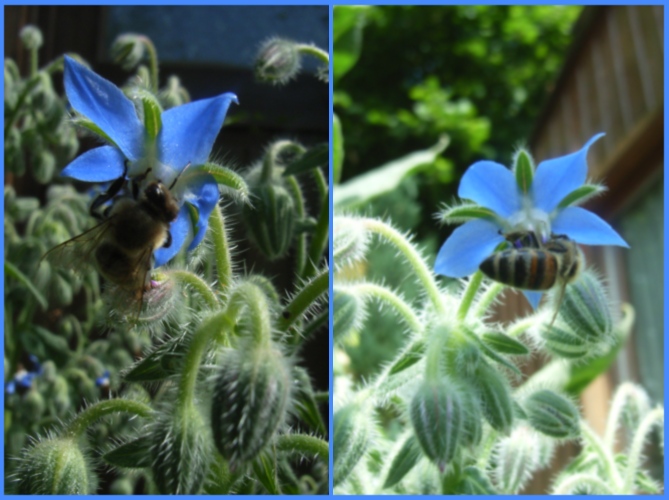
152, 112
404, 461
313, 158
580, 195
504, 344
93, 128
523, 169
466, 212
193, 215
223, 176
134, 454
491, 353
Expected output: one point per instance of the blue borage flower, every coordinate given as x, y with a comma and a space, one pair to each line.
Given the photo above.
521, 199
186, 136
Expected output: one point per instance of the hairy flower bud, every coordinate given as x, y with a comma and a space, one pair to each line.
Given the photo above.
349, 312
278, 61
250, 400
586, 310
495, 397
271, 219
517, 457
179, 451
352, 437
128, 50
552, 414
44, 166
31, 36
438, 415
350, 243
54, 467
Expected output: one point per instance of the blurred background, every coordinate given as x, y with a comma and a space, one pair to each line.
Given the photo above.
488, 79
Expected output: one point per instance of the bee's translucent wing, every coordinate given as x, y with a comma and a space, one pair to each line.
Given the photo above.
78, 253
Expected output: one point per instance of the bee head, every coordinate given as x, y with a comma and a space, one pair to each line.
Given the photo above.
161, 201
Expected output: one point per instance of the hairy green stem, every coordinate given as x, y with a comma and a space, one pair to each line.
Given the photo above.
219, 238
387, 296
521, 326
198, 284
301, 246
277, 149
567, 486
153, 61
413, 257
319, 240
95, 412
470, 292
626, 391
653, 418
314, 51
34, 61
303, 444
208, 329
309, 294
487, 299
605, 456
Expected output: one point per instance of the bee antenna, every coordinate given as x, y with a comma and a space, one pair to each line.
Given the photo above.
178, 176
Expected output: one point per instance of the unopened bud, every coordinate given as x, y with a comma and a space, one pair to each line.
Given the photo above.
250, 400
278, 61
349, 312
438, 415
178, 452
351, 240
352, 437
54, 467
586, 310
127, 50
31, 36
552, 414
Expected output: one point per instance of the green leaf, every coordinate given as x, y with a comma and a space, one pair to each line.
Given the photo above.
524, 171
263, 467
161, 363
338, 149
135, 454
409, 357
504, 344
306, 405
313, 158
348, 23
581, 194
93, 128
360, 190
476, 482
14, 272
152, 112
404, 461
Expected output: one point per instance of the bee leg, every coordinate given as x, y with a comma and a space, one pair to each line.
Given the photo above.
168, 240
113, 190
137, 180
559, 302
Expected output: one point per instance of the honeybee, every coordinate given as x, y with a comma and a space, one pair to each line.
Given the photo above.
535, 265
121, 246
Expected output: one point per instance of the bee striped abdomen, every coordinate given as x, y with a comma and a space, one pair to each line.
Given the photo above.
526, 268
